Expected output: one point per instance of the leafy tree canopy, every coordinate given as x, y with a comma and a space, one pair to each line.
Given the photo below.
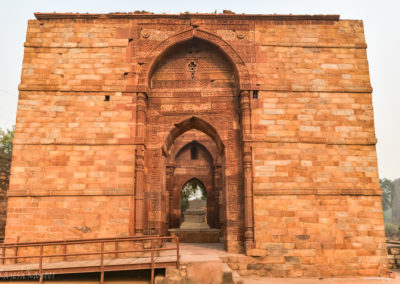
6, 137
193, 189
387, 187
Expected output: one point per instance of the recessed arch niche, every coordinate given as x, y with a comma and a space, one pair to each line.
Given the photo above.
204, 168
193, 101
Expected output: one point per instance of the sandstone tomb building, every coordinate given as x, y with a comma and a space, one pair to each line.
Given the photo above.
271, 113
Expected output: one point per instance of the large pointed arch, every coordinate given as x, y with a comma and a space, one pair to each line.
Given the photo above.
154, 56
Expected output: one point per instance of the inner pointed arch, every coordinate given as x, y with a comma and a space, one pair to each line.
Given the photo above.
196, 144
188, 124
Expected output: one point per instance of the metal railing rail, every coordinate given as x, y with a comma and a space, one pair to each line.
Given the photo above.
160, 241
76, 240
17, 245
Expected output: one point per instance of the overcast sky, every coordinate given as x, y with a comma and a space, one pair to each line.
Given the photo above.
382, 31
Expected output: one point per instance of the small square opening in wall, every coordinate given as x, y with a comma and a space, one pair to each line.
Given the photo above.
193, 153
107, 98
255, 94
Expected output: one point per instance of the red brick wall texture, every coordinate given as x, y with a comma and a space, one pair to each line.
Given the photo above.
278, 107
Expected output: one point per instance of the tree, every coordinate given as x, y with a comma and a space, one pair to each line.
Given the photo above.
396, 202
192, 189
387, 187
6, 138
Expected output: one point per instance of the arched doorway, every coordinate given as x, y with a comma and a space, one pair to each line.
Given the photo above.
193, 99
194, 161
193, 189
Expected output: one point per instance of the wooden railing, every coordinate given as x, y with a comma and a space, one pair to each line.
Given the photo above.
146, 248
392, 242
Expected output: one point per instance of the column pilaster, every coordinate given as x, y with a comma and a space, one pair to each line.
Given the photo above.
141, 104
247, 169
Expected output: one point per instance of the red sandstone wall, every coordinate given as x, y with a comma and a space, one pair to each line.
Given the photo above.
42, 170
306, 56
47, 117
72, 143
76, 192
67, 217
75, 55
320, 236
323, 117
313, 150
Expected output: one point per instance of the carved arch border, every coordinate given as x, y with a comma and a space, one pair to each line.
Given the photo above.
154, 56
190, 123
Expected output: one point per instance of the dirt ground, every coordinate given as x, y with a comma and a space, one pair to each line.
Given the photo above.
262, 280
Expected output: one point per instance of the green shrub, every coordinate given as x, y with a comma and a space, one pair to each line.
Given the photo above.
387, 215
391, 229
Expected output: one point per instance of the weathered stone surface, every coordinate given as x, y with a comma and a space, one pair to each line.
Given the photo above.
393, 256
67, 217
278, 110
205, 272
196, 235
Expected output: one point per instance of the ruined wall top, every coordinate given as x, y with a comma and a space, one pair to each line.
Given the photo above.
225, 15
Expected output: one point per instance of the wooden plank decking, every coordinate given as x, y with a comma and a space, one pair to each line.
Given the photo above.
140, 261
152, 257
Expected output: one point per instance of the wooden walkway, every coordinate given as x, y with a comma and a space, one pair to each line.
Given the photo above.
20, 259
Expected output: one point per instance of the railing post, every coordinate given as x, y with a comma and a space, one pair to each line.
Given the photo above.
152, 262
65, 251
41, 265
116, 248
177, 252
4, 254
15, 253
101, 263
